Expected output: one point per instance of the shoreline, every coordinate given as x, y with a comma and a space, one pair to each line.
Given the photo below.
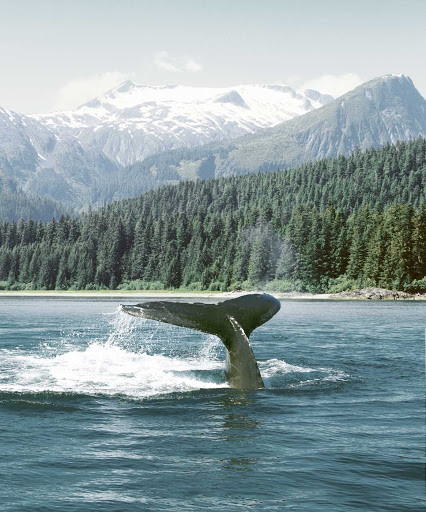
157, 294
160, 294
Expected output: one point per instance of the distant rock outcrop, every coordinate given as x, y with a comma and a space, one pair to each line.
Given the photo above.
375, 294
233, 98
324, 99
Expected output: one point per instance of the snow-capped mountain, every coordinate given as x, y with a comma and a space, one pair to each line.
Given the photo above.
382, 111
131, 122
21, 141
43, 162
174, 133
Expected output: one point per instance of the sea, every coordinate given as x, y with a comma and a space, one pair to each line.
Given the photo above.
100, 411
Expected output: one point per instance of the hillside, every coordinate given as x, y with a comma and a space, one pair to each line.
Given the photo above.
15, 204
349, 221
40, 162
379, 112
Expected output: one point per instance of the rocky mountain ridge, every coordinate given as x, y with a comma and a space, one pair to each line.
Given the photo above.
77, 157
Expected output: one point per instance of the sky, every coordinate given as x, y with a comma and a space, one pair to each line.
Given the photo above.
56, 55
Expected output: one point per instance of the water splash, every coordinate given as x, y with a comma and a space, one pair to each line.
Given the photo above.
280, 374
138, 358
122, 328
135, 358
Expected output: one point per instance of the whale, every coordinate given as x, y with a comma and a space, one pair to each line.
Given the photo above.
231, 320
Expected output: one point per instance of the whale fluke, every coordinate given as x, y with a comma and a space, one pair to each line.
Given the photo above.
232, 321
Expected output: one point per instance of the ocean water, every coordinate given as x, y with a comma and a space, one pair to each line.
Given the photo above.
100, 411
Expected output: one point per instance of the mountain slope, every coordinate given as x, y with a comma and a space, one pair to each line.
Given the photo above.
76, 157
131, 121
40, 161
16, 204
383, 110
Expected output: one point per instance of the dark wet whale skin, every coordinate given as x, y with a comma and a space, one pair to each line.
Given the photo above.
232, 321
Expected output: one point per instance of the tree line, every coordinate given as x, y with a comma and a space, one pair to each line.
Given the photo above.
393, 165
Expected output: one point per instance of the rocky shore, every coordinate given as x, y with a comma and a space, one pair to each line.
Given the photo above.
377, 294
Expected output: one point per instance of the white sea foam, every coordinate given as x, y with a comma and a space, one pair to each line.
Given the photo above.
289, 375
273, 367
107, 369
110, 366
139, 359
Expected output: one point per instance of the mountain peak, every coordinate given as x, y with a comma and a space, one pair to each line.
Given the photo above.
131, 121
59, 154
232, 97
317, 96
395, 75
125, 86
402, 80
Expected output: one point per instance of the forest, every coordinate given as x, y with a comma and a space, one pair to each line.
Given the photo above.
330, 225
16, 204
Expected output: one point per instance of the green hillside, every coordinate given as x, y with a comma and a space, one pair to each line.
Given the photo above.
332, 224
16, 204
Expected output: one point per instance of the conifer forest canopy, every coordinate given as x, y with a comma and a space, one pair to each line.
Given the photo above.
329, 225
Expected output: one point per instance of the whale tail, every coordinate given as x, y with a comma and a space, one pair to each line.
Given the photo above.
232, 321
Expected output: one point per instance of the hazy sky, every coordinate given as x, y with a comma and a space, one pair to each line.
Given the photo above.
57, 54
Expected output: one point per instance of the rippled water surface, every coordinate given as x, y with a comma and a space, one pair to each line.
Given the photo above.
103, 412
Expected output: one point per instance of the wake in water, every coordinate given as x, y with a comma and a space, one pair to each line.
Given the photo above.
285, 375
137, 358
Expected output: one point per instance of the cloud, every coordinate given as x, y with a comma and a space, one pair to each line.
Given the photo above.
163, 61
293, 80
166, 62
192, 65
336, 85
81, 90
